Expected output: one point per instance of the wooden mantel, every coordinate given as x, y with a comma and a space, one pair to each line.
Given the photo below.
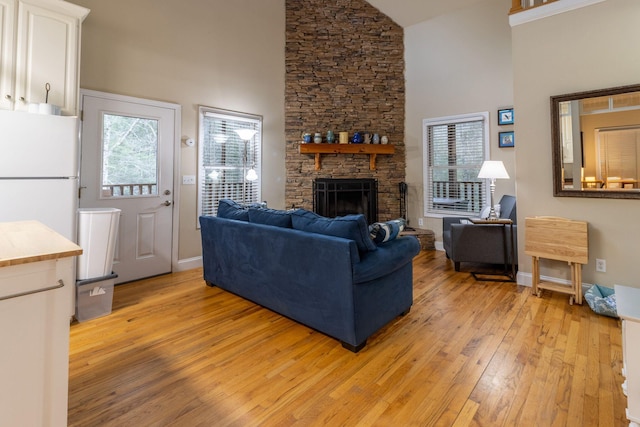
371, 149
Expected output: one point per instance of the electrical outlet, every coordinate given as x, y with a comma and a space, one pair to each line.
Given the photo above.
188, 180
420, 222
601, 265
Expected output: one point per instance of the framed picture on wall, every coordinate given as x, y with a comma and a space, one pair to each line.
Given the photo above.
505, 116
506, 139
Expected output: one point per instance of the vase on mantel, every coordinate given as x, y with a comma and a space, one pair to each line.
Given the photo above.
331, 138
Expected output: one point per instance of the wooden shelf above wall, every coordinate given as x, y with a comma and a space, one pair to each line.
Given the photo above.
371, 149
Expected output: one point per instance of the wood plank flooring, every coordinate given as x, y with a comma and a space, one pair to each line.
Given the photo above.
175, 352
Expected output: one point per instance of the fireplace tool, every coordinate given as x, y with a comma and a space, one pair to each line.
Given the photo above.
403, 202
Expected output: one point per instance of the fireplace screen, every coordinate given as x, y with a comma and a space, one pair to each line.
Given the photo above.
338, 197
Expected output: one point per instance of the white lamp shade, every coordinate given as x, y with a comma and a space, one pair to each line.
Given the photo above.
251, 175
493, 169
246, 134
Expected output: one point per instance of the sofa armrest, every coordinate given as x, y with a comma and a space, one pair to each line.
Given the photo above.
448, 221
388, 258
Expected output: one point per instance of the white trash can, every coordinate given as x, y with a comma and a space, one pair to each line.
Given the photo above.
97, 231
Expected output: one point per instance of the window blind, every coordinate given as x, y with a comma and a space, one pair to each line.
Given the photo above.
225, 159
454, 150
618, 149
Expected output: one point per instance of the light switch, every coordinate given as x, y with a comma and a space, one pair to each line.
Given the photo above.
188, 180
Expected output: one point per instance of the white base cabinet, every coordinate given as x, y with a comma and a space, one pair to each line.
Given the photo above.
628, 306
36, 269
34, 331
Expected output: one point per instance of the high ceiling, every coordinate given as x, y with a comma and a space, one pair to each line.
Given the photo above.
409, 12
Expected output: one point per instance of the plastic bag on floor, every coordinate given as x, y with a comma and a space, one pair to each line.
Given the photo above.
602, 300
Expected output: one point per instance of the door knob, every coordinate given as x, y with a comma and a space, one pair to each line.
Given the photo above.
167, 192
167, 203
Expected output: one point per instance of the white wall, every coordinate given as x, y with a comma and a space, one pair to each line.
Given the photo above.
590, 48
224, 54
455, 64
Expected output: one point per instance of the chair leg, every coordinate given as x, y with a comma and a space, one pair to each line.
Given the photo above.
456, 266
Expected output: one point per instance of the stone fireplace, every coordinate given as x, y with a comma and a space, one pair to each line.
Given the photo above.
344, 72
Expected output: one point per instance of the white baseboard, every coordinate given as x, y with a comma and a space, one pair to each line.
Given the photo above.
525, 279
188, 264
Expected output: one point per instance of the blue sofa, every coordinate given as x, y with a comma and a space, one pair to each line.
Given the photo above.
324, 273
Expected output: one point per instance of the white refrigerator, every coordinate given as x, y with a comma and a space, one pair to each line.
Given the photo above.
39, 165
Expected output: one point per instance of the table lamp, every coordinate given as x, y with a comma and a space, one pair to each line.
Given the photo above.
493, 169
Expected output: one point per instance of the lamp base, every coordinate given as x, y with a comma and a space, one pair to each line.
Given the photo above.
492, 212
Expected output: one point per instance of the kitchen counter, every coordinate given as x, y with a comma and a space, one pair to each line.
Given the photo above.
36, 284
24, 242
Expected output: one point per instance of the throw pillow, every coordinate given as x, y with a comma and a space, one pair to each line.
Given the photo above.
382, 232
270, 217
352, 227
232, 210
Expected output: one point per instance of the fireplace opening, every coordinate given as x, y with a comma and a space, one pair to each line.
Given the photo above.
339, 197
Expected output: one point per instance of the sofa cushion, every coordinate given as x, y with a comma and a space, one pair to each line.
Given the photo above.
352, 227
232, 210
267, 216
382, 232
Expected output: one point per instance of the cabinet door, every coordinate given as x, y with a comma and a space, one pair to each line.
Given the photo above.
34, 331
46, 52
7, 19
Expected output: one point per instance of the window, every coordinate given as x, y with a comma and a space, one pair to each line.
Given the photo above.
617, 154
230, 167
129, 156
454, 149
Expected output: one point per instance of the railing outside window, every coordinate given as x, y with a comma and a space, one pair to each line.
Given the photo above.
463, 196
520, 5
127, 190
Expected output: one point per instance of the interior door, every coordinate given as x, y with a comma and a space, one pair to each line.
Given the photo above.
127, 163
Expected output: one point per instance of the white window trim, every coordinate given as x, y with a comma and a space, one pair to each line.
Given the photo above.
459, 118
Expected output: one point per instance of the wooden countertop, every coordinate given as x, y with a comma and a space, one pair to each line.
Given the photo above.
628, 302
23, 242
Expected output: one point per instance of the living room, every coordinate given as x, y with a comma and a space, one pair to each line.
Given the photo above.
495, 66
232, 55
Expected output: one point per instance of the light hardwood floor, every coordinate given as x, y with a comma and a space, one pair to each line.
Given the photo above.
175, 352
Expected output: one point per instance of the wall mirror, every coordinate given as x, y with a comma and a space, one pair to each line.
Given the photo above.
596, 143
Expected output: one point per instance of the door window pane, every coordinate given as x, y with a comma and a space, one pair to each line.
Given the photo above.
129, 156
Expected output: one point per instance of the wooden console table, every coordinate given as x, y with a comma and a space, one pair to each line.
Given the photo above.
558, 239
371, 149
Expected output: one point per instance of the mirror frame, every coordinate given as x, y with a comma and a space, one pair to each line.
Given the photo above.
556, 144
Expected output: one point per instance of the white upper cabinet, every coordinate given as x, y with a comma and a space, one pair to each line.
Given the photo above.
7, 68
40, 44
